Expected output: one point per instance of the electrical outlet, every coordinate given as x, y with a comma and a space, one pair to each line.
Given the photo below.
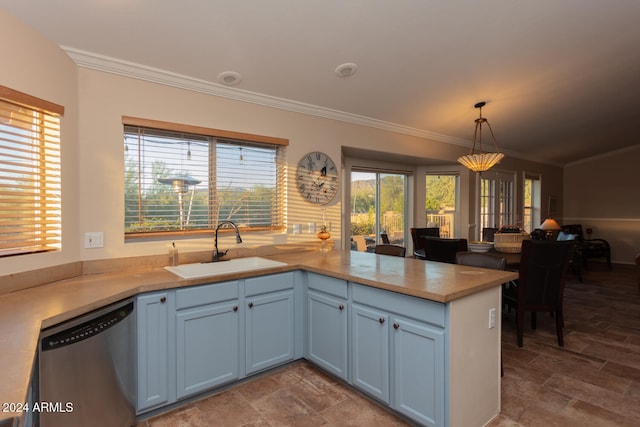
492, 318
94, 239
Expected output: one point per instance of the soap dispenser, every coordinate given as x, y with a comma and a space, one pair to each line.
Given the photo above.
173, 255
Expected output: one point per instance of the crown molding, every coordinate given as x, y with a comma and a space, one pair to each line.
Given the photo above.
154, 75
603, 155
133, 70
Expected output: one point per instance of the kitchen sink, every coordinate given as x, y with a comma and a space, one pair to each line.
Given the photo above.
236, 265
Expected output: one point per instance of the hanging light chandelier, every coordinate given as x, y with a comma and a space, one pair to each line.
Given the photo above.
481, 161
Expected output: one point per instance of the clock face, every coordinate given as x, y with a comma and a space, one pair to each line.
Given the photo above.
317, 178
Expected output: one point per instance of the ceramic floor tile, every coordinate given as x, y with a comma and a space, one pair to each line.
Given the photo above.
595, 416
285, 408
230, 409
601, 397
357, 411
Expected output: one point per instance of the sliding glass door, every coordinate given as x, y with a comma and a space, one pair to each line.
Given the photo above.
378, 209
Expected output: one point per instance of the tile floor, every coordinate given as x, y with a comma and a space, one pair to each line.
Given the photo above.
297, 395
593, 381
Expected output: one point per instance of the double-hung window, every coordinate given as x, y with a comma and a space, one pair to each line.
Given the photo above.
30, 185
184, 179
496, 199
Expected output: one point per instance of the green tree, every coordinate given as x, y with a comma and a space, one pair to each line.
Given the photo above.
440, 192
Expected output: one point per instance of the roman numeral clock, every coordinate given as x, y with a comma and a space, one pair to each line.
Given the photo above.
317, 178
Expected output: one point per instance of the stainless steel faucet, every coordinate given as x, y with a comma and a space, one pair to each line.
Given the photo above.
217, 255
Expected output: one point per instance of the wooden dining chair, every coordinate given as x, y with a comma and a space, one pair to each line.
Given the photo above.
540, 285
395, 250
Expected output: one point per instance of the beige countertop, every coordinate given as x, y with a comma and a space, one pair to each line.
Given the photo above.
24, 313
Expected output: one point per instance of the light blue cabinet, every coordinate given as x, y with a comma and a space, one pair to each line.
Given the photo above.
207, 337
418, 371
391, 346
207, 347
399, 351
269, 321
327, 324
153, 350
370, 351
327, 333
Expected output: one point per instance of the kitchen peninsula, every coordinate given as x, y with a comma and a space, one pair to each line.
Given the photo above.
464, 295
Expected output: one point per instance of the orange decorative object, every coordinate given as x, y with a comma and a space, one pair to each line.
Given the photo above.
324, 235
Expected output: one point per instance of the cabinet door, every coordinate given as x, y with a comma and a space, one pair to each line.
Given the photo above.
269, 330
327, 334
153, 350
370, 351
207, 347
418, 371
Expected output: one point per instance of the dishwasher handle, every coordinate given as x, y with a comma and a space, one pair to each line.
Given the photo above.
87, 329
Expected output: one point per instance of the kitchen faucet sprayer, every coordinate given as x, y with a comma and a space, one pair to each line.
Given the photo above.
217, 255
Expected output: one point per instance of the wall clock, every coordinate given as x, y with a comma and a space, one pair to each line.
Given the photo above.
317, 178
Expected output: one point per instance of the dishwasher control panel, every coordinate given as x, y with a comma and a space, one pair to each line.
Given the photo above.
87, 329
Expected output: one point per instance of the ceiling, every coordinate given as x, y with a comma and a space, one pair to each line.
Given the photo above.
560, 78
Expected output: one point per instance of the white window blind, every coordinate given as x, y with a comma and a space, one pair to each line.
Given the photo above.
30, 193
177, 181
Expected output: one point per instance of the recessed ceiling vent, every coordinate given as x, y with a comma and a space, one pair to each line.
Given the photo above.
229, 78
346, 70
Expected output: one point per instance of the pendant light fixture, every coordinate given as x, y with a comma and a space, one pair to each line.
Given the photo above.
481, 161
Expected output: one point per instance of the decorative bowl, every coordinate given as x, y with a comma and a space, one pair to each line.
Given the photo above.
479, 246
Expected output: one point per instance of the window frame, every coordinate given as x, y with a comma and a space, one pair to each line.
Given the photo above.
280, 145
447, 230
496, 208
532, 213
36, 159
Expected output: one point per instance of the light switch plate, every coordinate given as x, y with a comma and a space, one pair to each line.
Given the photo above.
492, 318
94, 239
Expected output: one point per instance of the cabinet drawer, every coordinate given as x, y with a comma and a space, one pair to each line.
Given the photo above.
271, 283
327, 285
416, 308
206, 294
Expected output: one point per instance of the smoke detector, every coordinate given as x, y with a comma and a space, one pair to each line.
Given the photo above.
347, 69
229, 78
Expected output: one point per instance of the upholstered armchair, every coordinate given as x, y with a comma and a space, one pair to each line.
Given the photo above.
589, 248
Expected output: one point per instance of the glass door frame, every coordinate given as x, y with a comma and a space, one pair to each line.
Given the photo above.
407, 175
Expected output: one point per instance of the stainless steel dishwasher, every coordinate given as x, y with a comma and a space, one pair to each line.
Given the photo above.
87, 370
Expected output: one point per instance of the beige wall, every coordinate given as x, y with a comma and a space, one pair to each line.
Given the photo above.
34, 65
602, 193
92, 148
